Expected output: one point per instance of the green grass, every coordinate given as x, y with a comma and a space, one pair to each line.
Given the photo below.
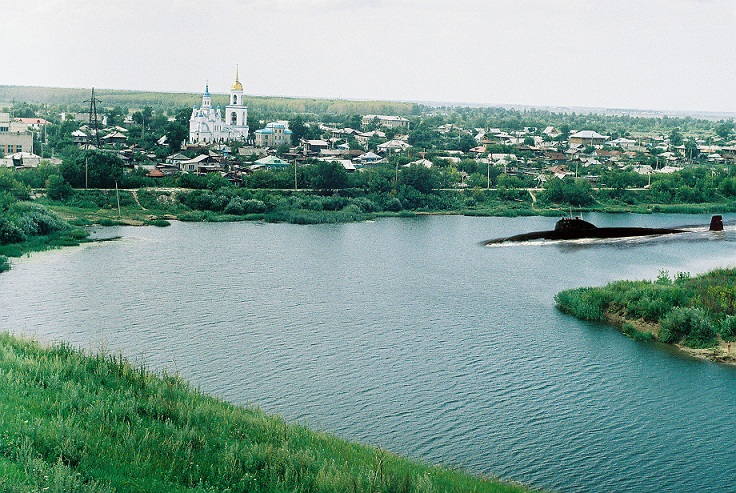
698, 312
71, 422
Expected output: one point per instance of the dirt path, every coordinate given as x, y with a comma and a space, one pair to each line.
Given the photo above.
134, 193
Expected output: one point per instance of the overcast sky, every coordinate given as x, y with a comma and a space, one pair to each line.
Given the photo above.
638, 54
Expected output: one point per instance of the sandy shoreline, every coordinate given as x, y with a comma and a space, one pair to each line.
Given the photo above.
716, 354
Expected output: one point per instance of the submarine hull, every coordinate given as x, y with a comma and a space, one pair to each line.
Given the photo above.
587, 233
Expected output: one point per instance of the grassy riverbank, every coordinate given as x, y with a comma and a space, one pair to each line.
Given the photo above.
696, 313
75, 422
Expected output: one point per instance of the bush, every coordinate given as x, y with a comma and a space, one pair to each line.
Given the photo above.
689, 326
727, 328
57, 188
636, 334
4, 264
10, 232
239, 206
583, 303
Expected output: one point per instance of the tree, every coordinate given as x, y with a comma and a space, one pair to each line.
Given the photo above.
466, 142
573, 192
102, 169
298, 129
57, 188
420, 178
176, 134
676, 137
691, 149
328, 175
725, 129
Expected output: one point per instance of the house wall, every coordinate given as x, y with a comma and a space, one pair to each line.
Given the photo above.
15, 142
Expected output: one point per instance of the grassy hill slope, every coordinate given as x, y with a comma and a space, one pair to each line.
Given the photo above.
78, 423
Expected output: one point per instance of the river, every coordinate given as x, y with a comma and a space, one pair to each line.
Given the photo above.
409, 335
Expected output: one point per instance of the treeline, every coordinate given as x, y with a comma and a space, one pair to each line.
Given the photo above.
68, 99
695, 311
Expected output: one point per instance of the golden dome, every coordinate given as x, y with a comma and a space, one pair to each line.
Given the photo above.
237, 86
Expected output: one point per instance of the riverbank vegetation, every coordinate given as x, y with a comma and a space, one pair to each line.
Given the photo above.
72, 422
27, 226
695, 312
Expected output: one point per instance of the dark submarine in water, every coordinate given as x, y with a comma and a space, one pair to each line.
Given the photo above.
575, 228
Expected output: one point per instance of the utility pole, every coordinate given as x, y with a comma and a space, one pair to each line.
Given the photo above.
93, 116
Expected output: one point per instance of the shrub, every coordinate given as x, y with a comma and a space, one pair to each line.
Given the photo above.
4, 264
239, 206
10, 232
583, 303
727, 328
636, 334
57, 188
688, 325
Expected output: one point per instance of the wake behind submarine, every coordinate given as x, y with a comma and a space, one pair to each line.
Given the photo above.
575, 228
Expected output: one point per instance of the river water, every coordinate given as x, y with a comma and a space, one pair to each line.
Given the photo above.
409, 335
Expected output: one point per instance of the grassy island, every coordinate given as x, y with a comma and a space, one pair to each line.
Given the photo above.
696, 313
72, 422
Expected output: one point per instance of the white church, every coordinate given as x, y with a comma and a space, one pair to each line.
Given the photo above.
206, 125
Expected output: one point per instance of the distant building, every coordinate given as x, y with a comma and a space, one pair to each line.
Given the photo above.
588, 137
270, 162
207, 126
274, 135
386, 121
14, 137
314, 146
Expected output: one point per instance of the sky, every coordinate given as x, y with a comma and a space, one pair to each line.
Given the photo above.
676, 55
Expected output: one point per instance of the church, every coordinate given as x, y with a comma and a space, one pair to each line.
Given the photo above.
207, 125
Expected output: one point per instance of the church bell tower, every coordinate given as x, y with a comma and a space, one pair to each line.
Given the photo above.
236, 113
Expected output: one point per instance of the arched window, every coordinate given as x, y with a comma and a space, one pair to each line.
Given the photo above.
235, 99
234, 119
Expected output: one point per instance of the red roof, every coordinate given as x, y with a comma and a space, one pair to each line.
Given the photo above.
32, 121
155, 173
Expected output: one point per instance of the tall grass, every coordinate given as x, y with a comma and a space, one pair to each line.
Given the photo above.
76, 422
695, 311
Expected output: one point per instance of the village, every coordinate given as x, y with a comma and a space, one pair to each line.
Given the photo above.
214, 140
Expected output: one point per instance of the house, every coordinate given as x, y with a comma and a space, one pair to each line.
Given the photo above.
270, 162
420, 162
192, 165
368, 158
176, 159
364, 137
385, 121
115, 138
314, 146
394, 145
274, 134
588, 137
13, 136
346, 163
554, 156
623, 143
343, 133
551, 132
31, 123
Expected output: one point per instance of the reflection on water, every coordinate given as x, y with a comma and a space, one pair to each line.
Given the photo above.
407, 334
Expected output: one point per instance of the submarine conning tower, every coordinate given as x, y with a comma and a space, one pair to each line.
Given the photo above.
716, 223
573, 224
